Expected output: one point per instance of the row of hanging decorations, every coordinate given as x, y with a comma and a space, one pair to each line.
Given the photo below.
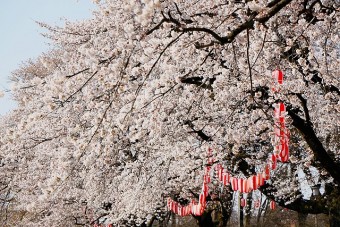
243, 185
272, 204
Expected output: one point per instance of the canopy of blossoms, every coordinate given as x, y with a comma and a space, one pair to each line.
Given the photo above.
117, 117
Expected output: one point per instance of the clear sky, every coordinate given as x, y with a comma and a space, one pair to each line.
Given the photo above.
20, 37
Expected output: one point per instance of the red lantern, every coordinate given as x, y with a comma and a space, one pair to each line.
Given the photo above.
277, 133
279, 110
267, 172
257, 204
273, 161
193, 209
243, 202
259, 180
200, 209
182, 211
284, 154
278, 76
205, 189
272, 205
250, 183
202, 199
218, 166
282, 109
220, 174
174, 207
197, 210
219, 170
206, 179
254, 182
207, 170
245, 185
224, 179
232, 182
210, 160
185, 213
209, 151
240, 185
169, 203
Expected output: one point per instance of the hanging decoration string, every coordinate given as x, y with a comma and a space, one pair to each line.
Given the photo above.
253, 182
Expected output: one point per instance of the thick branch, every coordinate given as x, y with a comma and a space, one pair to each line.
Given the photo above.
261, 17
304, 106
314, 143
198, 80
199, 133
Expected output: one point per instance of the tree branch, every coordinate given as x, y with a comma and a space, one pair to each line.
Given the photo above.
316, 146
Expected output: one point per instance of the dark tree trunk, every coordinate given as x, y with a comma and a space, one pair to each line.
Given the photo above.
241, 217
205, 220
226, 207
302, 219
248, 210
240, 210
320, 153
334, 220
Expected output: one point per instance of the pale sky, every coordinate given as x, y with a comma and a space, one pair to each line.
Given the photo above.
20, 37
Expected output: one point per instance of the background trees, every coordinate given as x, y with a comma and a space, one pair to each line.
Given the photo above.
119, 115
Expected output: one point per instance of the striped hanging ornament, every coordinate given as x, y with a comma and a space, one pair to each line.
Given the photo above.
272, 205
243, 202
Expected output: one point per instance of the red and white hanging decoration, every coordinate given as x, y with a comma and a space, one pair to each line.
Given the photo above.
195, 208
281, 134
243, 202
244, 185
272, 205
277, 80
257, 204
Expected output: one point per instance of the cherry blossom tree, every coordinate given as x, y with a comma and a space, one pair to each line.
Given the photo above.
119, 115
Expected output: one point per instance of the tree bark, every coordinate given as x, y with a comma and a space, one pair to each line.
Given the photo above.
205, 220
248, 210
302, 219
334, 220
240, 210
316, 146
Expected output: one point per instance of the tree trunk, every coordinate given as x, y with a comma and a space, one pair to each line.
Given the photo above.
334, 221
205, 220
259, 212
248, 210
240, 210
315, 144
302, 219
